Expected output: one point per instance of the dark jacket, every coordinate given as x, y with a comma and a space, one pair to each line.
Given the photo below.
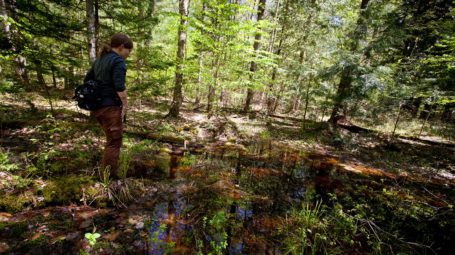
110, 72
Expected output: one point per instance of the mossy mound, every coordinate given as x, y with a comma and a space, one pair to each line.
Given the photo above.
66, 189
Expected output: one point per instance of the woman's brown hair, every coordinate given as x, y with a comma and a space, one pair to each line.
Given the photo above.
116, 41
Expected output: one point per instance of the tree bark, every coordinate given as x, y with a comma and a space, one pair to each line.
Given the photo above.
91, 29
210, 98
54, 80
270, 98
278, 97
6, 38
302, 54
14, 45
307, 98
447, 112
296, 103
253, 64
212, 88
344, 87
397, 120
42, 82
273, 36
425, 122
97, 27
197, 100
182, 33
21, 70
150, 13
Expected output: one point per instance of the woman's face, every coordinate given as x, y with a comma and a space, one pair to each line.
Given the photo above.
123, 52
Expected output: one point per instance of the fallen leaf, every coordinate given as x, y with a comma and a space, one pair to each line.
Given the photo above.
3, 247
36, 236
58, 238
132, 221
87, 214
112, 236
85, 224
140, 225
4, 216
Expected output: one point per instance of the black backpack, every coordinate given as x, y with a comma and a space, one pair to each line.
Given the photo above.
88, 96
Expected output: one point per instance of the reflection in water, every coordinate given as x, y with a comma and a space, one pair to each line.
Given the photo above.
235, 244
171, 220
173, 166
157, 230
167, 228
269, 183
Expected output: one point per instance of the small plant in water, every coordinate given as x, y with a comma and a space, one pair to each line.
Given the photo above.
91, 238
160, 245
215, 234
219, 242
310, 231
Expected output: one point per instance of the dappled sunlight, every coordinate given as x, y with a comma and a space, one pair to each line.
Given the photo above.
261, 172
176, 186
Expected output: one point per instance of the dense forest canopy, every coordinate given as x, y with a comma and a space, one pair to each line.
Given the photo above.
353, 58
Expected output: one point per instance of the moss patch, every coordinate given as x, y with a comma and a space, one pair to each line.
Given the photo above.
65, 189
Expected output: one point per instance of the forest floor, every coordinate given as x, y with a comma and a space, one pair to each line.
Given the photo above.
224, 184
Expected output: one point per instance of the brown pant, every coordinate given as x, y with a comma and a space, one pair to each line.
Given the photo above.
110, 118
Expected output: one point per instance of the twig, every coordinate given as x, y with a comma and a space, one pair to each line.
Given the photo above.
372, 224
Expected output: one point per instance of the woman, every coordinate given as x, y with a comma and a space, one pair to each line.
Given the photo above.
109, 70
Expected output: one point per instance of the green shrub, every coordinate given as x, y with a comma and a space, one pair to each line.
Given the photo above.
5, 163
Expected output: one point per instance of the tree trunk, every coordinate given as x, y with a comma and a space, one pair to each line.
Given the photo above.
344, 87
97, 27
425, 122
416, 102
222, 97
270, 98
253, 65
20, 69
302, 54
91, 29
201, 58
197, 100
307, 98
150, 13
6, 37
65, 82
212, 88
447, 112
396, 122
217, 75
342, 93
42, 82
324, 107
54, 80
273, 36
178, 96
296, 103
278, 98
210, 97
427, 108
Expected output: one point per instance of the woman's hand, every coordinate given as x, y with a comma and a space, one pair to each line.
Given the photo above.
123, 97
